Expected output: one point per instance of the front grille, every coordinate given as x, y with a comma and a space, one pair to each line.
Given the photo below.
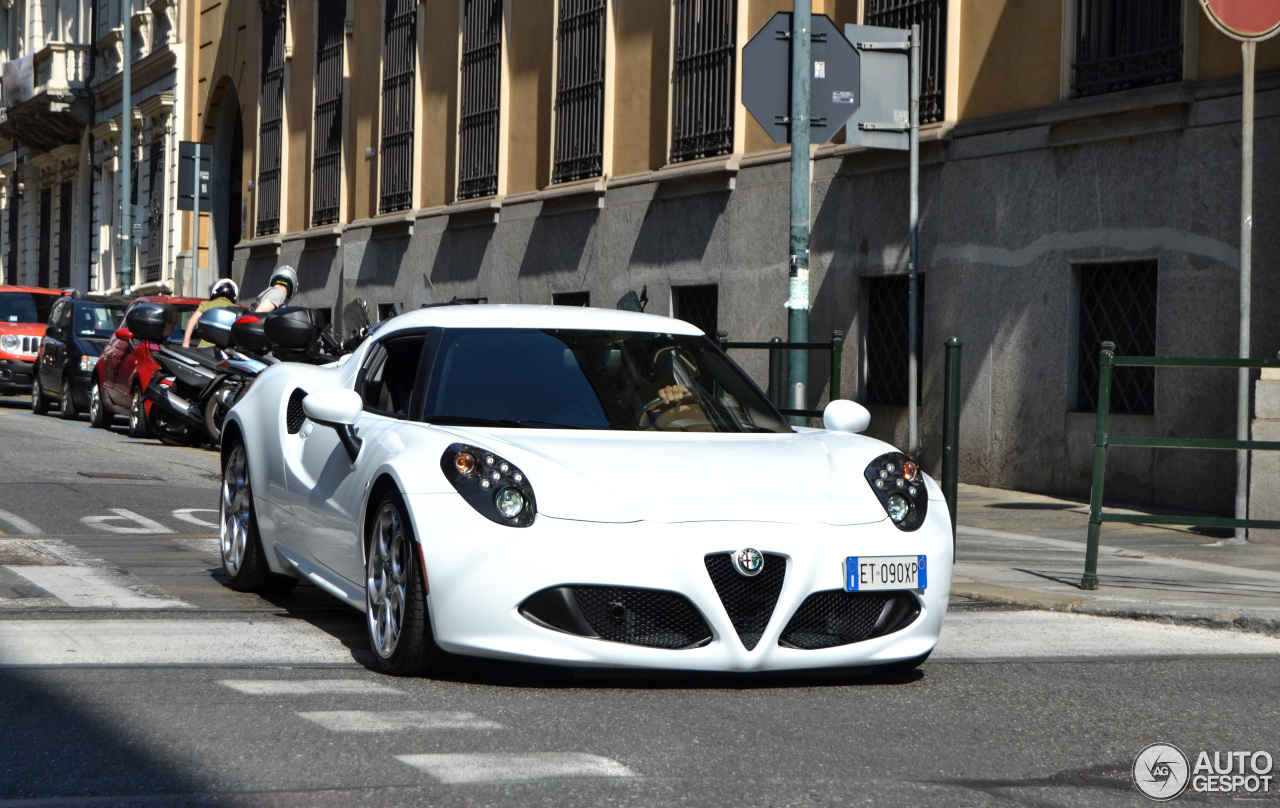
648, 617
748, 601
836, 617
294, 416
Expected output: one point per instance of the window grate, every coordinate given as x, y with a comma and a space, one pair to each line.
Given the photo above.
11, 271
154, 265
65, 229
46, 225
703, 87
481, 90
699, 305
571, 299
887, 347
399, 55
580, 91
1122, 44
326, 169
931, 16
1118, 304
270, 128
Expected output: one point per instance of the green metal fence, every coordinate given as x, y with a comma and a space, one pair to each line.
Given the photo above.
1103, 439
778, 366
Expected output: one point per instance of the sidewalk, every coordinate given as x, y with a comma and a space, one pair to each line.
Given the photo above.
1028, 550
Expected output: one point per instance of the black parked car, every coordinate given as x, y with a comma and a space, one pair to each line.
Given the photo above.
78, 330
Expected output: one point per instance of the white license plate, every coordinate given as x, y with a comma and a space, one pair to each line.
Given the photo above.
867, 573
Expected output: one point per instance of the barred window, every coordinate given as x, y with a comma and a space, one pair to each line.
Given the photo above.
481, 90
326, 168
1118, 304
65, 231
571, 299
400, 45
887, 347
580, 91
703, 87
154, 266
46, 226
1126, 43
270, 125
15, 204
931, 16
699, 305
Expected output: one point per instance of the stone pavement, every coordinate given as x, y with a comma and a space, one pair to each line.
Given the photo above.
1028, 550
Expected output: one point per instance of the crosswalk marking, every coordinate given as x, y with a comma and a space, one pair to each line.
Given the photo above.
19, 524
141, 524
96, 588
497, 767
275, 687
397, 720
188, 515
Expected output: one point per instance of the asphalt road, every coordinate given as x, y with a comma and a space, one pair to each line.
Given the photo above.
130, 675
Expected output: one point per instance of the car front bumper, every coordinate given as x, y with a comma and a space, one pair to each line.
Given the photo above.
15, 376
480, 573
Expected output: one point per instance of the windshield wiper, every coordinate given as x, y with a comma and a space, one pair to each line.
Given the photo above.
464, 420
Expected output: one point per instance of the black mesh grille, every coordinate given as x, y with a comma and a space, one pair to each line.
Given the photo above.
294, 416
835, 617
642, 616
1118, 304
888, 334
748, 601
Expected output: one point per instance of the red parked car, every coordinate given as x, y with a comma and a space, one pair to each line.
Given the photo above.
125, 368
24, 311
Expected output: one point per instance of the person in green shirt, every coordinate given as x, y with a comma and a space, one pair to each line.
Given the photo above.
223, 293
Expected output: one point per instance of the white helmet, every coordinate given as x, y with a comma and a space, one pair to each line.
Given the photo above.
288, 277
224, 287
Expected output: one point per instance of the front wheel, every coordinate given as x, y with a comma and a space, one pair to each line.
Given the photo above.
243, 559
137, 414
395, 597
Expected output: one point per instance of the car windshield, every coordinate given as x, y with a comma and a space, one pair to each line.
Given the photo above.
25, 307
97, 319
573, 379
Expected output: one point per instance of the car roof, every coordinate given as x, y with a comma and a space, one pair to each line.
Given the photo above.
170, 299
38, 290
502, 315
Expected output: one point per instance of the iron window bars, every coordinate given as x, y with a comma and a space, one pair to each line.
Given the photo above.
46, 224
65, 229
481, 91
887, 347
1126, 43
580, 91
931, 16
698, 305
1118, 304
15, 204
270, 126
326, 167
400, 45
703, 87
152, 269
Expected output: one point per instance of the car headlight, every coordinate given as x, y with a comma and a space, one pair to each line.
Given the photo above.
493, 486
11, 343
899, 485
88, 362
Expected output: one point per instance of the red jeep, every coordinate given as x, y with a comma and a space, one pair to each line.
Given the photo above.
24, 311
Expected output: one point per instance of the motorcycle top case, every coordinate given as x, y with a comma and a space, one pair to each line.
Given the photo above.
151, 321
215, 324
248, 334
292, 327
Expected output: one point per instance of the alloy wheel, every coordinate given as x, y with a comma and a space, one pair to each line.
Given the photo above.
387, 580
234, 507
95, 405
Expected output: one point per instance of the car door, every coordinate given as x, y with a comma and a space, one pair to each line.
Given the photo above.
326, 487
114, 375
53, 349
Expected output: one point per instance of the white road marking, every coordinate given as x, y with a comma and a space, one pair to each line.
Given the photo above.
141, 524
496, 767
189, 515
19, 524
1048, 635
96, 588
397, 720
275, 687
206, 546
167, 642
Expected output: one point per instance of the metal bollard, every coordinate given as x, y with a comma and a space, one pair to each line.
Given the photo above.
837, 346
1090, 578
951, 430
777, 372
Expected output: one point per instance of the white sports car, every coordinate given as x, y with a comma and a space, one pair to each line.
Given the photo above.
581, 487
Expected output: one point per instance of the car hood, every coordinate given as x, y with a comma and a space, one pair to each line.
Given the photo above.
805, 477
22, 329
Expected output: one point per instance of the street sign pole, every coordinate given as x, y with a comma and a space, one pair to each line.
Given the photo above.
798, 297
126, 141
1248, 48
196, 165
913, 310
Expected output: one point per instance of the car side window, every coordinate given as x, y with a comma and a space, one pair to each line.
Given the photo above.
389, 373
62, 315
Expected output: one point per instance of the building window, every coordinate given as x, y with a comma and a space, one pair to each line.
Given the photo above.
46, 225
326, 185
699, 305
1126, 43
15, 204
1118, 304
703, 97
400, 44
571, 299
271, 123
931, 16
65, 230
887, 346
580, 91
481, 91
154, 267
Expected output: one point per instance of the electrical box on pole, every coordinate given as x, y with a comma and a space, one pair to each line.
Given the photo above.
192, 158
883, 119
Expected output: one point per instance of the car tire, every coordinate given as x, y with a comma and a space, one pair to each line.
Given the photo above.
243, 559
99, 418
67, 406
396, 616
39, 404
137, 414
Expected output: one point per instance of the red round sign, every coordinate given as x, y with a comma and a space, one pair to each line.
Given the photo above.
1245, 19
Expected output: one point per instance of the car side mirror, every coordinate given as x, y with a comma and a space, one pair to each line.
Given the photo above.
843, 415
53, 331
338, 410
124, 334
